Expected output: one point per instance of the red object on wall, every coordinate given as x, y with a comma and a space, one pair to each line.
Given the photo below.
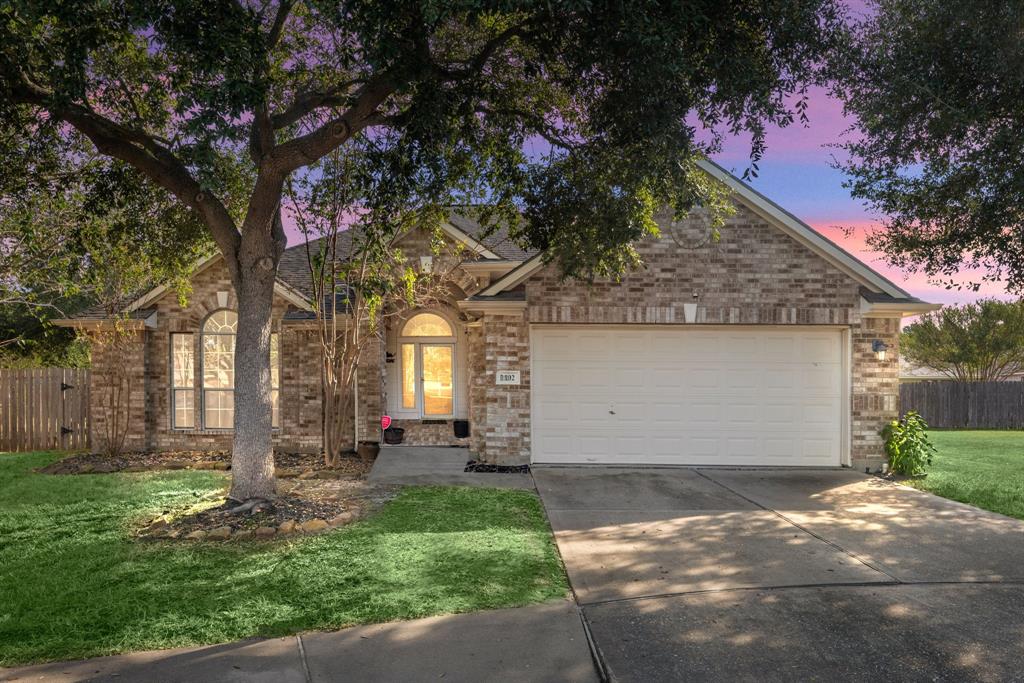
385, 421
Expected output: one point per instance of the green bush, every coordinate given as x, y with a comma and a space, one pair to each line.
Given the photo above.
907, 445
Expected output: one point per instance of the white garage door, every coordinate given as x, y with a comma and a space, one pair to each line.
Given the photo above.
712, 396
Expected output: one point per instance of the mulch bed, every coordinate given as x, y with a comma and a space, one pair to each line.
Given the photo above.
308, 506
304, 465
474, 466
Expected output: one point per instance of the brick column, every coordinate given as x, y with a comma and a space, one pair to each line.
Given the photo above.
501, 413
876, 390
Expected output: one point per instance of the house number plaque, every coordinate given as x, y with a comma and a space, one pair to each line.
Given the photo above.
508, 377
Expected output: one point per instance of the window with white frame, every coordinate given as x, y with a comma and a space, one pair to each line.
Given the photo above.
219, 369
217, 348
427, 352
183, 378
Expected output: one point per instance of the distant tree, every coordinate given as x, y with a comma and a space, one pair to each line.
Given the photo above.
443, 96
937, 95
979, 342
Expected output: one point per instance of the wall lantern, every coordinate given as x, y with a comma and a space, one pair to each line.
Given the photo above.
879, 347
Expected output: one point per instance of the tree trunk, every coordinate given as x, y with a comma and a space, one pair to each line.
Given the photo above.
252, 457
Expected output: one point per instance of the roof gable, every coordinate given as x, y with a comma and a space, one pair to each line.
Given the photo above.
774, 214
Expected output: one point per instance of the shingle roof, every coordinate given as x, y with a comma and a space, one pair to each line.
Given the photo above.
293, 268
883, 298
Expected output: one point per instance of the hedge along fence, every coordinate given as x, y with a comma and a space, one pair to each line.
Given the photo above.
966, 405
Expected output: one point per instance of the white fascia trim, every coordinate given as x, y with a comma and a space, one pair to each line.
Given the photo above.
802, 232
473, 244
769, 210
292, 296
895, 309
286, 292
515, 276
490, 266
491, 306
157, 292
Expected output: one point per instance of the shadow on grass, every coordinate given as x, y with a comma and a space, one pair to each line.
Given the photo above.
79, 586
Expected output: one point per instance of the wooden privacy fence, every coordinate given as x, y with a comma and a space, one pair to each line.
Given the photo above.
966, 405
44, 409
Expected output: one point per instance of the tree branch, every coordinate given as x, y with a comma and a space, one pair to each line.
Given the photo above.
145, 154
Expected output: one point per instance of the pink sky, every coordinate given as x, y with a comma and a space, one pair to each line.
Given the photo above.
796, 173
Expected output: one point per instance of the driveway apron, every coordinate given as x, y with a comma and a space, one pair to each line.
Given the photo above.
713, 574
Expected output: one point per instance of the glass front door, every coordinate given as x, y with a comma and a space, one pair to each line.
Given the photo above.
438, 378
428, 378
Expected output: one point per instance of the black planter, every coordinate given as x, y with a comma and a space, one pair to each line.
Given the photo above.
394, 435
461, 428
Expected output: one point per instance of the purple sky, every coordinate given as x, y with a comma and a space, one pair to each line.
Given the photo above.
796, 174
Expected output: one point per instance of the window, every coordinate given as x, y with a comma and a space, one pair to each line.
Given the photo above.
275, 380
183, 380
219, 370
218, 348
427, 374
427, 325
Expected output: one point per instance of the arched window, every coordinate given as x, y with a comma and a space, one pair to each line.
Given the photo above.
218, 349
427, 346
219, 369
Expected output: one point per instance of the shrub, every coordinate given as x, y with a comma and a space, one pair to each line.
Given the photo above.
907, 445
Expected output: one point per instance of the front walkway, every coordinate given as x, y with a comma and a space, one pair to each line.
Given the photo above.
710, 574
437, 466
539, 643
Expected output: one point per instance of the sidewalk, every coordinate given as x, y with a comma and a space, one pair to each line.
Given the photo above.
537, 643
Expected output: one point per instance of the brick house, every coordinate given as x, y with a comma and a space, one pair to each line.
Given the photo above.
771, 346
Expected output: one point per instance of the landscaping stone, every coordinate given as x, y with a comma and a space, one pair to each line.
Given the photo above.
314, 526
286, 472
241, 535
175, 464
308, 474
342, 519
265, 532
287, 526
221, 533
206, 465
328, 474
104, 468
197, 535
135, 468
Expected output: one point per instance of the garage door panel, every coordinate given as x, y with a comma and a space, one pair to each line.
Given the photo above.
686, 396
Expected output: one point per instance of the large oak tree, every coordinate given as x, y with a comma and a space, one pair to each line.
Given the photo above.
585, 117
936, 89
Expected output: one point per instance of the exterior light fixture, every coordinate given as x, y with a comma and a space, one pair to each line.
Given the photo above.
879, 347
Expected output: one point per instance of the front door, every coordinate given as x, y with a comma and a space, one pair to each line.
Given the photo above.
428, 378
438, 363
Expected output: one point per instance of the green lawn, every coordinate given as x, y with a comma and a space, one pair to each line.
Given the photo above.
72, 584
983, 468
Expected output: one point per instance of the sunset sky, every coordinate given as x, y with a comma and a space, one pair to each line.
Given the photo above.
796, 174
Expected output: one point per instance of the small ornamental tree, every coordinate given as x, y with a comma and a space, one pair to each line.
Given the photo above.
360, 279
444, 98
979, 342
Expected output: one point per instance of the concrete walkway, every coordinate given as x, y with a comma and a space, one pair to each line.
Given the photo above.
539, 643
437, 466
706, 574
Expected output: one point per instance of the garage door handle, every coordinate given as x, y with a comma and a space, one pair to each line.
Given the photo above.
611, 412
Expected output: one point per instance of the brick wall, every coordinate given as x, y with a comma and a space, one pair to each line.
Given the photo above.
876, 390
754, 275
501, 413
119, 365
151, 423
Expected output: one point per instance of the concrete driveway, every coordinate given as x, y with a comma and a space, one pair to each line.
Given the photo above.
706, 574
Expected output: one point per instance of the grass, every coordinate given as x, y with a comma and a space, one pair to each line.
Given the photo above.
74, 585
982, 468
